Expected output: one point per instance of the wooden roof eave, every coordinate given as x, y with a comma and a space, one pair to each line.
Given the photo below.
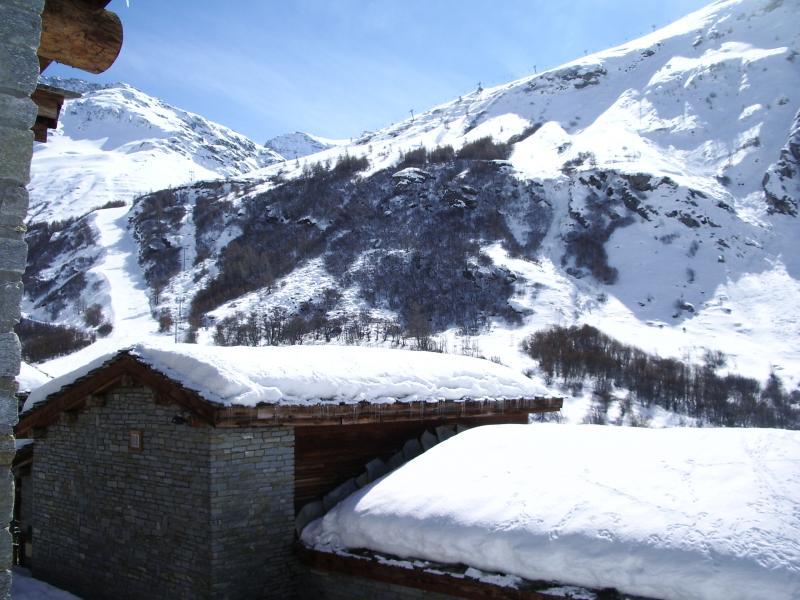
326, 413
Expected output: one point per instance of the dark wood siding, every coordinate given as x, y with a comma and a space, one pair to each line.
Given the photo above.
328, 455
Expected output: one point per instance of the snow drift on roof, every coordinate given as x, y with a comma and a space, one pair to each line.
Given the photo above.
712, 514
309, 374
30, 378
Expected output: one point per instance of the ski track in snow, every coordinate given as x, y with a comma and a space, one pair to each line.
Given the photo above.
130, 305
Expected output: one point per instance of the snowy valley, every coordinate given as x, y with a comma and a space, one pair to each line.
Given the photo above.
649, 191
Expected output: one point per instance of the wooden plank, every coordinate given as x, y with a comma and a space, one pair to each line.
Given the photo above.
77, 33
370, 568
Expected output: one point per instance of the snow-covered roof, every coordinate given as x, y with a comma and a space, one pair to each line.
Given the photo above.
297, 375
712, 514
30, 378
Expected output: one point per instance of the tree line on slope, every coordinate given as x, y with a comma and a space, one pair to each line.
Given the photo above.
43, 341
574, 353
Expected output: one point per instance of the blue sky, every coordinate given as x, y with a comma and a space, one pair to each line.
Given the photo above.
336, 68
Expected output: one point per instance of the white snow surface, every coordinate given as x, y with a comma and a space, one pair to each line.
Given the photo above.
711, 514
30, 377
116, 142
299, 144
25, 587
312, 374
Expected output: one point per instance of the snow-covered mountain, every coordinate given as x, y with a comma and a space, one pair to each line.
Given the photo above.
649, 190
116, 142
299, 144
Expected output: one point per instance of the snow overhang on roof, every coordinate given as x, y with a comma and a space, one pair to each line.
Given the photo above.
707, 513
311, 385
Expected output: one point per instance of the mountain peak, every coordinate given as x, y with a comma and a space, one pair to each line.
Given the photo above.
299, 144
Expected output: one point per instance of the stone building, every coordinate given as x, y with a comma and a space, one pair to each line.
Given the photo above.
185, 471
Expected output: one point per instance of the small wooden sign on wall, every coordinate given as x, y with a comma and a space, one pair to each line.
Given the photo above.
135, 440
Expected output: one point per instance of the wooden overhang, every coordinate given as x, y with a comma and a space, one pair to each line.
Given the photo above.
49, 100
78, 33
126, 368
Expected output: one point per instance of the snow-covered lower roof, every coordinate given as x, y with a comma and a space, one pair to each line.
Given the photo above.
712, 514
30, 378
297, 375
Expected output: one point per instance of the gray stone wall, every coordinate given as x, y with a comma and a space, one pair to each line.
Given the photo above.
315, 584
252, 512
109, 522
20, 27
26, 510
198, 513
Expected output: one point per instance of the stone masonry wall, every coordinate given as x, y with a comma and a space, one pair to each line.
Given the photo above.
20, 27
26, 508
114, 523
314, 584
252, 512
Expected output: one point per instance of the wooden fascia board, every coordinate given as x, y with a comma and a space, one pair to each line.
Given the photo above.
370, 568
364, 412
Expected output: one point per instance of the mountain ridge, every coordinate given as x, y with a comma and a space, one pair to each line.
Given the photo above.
647, 190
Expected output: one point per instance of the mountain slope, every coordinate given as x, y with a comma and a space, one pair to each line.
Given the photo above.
649, 190
701, 119
299, 144
116, 142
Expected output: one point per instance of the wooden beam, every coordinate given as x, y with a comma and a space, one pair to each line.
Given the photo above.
79, 33
40, 128
326, 413
415, 577
48, 101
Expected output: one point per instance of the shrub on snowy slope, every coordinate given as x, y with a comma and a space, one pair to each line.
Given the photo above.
573, 353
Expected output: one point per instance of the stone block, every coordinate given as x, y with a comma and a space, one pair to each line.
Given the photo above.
6, 496
5, 546
411, 449
376, 469
17, 113
428, 440
341, 492
13, 253
9, 354
461, 428
444, 432
397, 460
20, 27
10, 298
16, 150
9, 413
13, 203
362, 479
